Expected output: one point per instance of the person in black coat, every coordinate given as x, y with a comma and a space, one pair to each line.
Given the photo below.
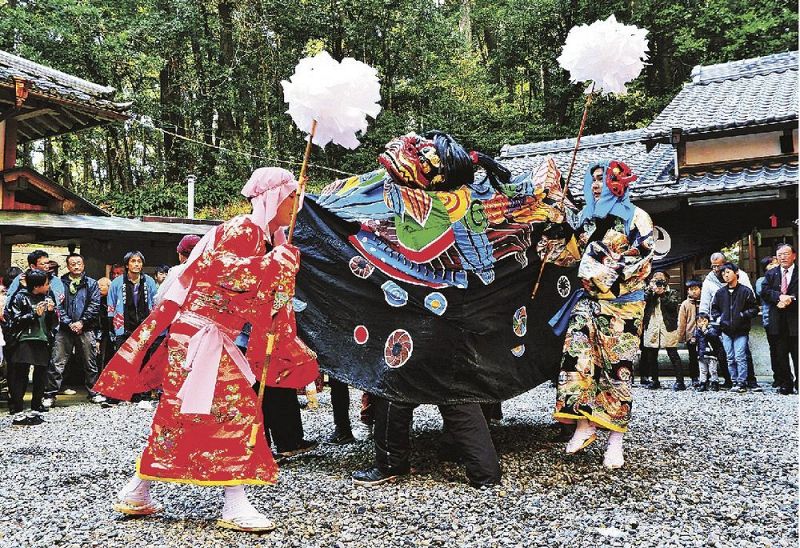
29, 323
780, 292
733, 306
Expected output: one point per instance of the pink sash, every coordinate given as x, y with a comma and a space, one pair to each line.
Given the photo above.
202, 362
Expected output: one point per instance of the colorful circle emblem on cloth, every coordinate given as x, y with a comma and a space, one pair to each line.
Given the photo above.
394, 294
398, 349
436, 303
361, 267
518, 350
563, 286
520, 322
361, 334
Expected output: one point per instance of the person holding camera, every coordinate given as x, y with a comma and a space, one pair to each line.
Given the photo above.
661, 330
30, 320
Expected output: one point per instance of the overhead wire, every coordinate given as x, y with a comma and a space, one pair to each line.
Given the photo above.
151, 126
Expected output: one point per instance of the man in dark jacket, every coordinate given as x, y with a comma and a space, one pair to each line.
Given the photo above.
733, 306
780, 292
77, 317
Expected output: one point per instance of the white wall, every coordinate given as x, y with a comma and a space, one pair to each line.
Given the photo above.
735, 148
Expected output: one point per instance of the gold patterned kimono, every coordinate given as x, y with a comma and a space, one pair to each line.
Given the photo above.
602, 340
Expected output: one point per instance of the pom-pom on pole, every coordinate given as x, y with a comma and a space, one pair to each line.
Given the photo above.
609, 55
330, 101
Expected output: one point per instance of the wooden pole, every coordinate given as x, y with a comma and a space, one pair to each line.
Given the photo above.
566, 184
272, 337
302, 181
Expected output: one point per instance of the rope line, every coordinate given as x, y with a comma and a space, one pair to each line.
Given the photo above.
149, 125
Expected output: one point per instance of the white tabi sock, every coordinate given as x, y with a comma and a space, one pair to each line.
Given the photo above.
614, 457
136, 490
237, 504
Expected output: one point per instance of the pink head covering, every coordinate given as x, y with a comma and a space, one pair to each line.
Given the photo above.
267, 188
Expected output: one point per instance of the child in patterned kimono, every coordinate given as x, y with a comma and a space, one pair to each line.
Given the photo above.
603, 321
208, 428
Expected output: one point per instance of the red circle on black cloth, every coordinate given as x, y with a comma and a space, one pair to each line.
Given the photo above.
361, 334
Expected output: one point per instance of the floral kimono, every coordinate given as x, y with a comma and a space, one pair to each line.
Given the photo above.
605, 318
205, 417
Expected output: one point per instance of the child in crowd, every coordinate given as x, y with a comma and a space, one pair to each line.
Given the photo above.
733, 306
703, 332
30, 320
686, 326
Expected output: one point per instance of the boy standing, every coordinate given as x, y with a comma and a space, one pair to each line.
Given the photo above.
733, 306
686, 326
708, 362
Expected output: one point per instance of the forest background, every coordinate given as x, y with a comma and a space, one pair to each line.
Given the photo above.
204, 79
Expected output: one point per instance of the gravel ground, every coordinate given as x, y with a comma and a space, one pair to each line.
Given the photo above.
703, 469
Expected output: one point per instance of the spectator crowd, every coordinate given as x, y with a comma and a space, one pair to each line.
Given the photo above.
50, 321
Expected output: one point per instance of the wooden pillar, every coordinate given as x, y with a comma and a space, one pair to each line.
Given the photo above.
10, 144
5, 255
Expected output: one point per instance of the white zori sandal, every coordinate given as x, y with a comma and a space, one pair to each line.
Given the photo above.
585, 435
239, 515
134, 499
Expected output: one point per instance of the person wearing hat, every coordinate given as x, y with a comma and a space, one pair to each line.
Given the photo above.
208, 428
184, 249
603, 320
733, 306
687, 315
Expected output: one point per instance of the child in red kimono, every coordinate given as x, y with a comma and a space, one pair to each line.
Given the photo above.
201, 431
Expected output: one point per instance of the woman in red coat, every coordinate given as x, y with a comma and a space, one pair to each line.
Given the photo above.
201, 431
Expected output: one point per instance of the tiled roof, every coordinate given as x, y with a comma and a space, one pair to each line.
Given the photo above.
730, 95
626, 146
54, 83
656, 168
777, 173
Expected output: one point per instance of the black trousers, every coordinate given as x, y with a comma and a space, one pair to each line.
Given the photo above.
282, 418
649, 363
694, 365
18, 384
465, 431
785, 347
340, 401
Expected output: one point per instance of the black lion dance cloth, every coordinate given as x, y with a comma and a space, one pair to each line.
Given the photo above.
416, 279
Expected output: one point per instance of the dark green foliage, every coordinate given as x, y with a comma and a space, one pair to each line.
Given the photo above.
210, 71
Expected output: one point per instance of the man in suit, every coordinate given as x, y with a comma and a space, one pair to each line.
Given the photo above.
780, 292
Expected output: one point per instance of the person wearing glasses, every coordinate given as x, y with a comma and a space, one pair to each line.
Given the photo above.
661, 330
780, 292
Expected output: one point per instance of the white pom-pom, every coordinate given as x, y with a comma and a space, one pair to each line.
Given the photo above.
339, 96
608, 53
